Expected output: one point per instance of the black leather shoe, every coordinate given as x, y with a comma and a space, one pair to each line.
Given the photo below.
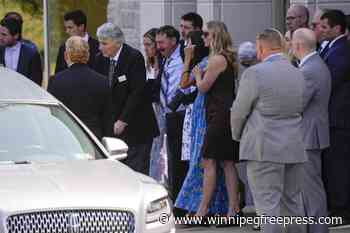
231, 221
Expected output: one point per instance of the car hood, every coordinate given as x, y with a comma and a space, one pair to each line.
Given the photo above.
73, 184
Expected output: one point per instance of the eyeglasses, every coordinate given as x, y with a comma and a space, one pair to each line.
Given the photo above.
293, 17
205, 34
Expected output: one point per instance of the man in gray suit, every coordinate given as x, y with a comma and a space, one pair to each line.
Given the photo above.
266, 118
315, 123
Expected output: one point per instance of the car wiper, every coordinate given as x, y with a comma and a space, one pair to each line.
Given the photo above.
23, 162
15, 162
4, 105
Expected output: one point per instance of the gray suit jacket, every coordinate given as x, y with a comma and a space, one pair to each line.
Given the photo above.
266, 115
317, 91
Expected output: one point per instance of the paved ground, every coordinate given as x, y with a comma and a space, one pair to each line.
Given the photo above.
246, 229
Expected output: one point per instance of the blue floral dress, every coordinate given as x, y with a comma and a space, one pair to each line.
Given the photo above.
186, 131
191, 192
158, 158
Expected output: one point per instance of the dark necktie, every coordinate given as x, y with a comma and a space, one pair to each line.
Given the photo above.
112, 66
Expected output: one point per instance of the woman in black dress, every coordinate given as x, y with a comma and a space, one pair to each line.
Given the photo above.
218, 82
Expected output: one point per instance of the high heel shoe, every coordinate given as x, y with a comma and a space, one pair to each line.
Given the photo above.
232, 219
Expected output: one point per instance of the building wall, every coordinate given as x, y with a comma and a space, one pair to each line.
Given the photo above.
244, 18
312, 5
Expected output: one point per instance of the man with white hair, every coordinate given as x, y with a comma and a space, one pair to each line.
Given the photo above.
133, 119
315, 123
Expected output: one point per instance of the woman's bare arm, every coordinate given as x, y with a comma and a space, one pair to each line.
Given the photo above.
216, 65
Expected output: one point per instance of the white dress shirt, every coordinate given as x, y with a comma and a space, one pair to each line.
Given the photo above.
116, 57
12, 56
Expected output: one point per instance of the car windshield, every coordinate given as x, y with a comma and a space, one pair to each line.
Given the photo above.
32, 132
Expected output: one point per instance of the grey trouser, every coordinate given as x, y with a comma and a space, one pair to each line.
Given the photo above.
276, 192
314, 194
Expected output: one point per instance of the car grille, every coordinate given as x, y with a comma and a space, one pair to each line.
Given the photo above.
72, 221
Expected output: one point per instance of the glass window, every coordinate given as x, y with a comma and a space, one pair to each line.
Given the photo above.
30, 132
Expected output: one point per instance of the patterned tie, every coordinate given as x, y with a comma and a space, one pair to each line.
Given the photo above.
112, 65
164, 84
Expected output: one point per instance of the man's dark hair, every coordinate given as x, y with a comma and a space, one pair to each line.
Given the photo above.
348, 22
77, 16
170, 32
200, 51
14, 15
13, 26
194, 18
335, 18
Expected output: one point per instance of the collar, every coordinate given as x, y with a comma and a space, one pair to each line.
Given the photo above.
302, 62
335, 40
185, 43
269, 58
324, 44
116, 57
176, 54
86, 37
14, 47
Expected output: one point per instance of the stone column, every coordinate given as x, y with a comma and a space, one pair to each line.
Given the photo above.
210, 9
135, 17
245, 19
126, 14
343, 5
312, 5
279, 9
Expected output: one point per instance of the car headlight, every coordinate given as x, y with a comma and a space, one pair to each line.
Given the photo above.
158, 209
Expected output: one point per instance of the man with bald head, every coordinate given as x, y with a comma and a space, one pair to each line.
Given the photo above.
315, 123
297, 17
266, 119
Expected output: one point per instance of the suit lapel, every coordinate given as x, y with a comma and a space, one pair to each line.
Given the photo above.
336, 44
119, 69
21, 60
2, 56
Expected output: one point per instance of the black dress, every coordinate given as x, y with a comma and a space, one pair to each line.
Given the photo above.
218, 143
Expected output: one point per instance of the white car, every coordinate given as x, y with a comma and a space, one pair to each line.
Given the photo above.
56, 177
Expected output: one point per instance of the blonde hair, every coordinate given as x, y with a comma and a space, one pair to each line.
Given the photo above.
77, 49
272, 38
222, 43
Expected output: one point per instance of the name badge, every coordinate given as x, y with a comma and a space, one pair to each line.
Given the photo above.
122, 78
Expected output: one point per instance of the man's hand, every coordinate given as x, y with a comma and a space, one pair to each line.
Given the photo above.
119, 127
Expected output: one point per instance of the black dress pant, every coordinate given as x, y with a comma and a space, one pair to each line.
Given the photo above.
177, 168
139, 157
336, 172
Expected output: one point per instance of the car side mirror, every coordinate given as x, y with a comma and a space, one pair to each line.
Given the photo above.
116, 148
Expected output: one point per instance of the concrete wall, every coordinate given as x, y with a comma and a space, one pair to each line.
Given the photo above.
312, 5
244, 18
